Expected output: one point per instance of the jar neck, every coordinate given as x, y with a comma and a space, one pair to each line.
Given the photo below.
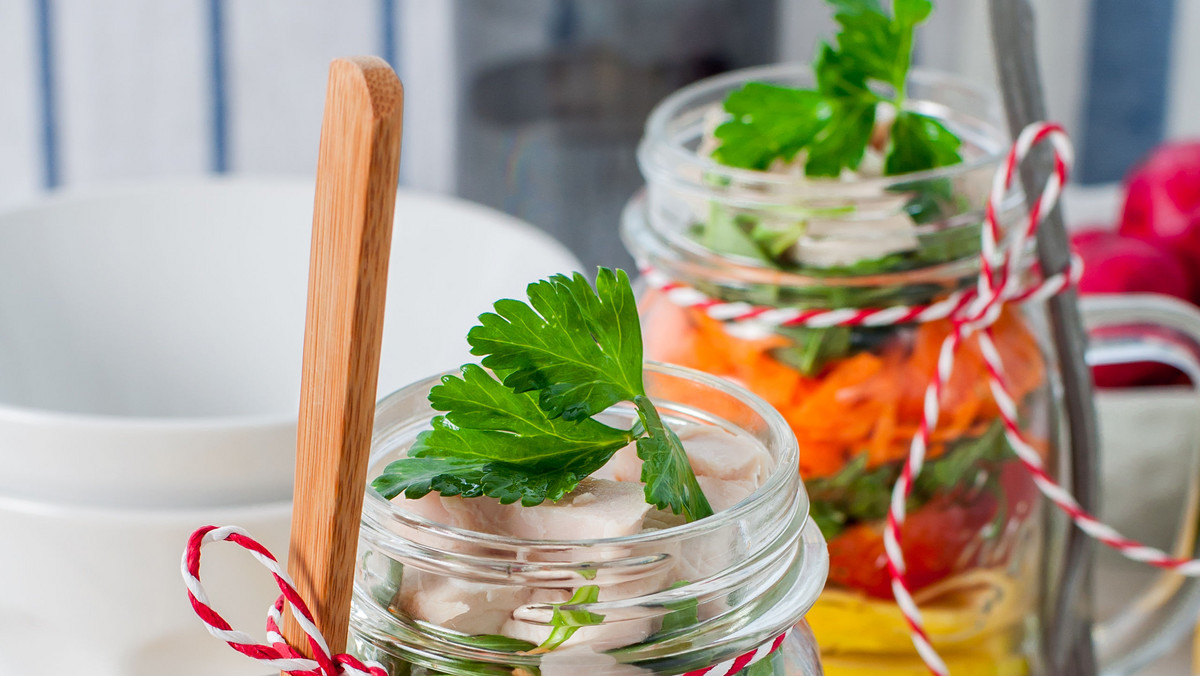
730, 582
859, 241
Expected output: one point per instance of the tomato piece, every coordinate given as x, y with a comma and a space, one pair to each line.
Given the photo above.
946, 536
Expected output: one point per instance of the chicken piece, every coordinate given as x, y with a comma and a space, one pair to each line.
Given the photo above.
837, 241
597, 508
467, 607
430, 507
584, 659
724, 494
625, 465
718, 454
662, 519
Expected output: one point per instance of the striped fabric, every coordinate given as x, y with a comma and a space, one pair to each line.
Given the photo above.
126, 89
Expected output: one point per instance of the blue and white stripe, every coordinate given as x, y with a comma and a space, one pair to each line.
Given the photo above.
128, 89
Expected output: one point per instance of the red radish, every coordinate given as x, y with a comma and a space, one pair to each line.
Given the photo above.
1163, 203
1117, 263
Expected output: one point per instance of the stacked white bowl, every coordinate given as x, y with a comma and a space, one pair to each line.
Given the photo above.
150, 341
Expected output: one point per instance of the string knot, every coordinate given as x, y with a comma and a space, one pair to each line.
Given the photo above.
279, 655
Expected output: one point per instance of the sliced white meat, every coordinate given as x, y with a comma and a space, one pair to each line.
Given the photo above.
583, 660
597, 508
662, 519
430, 507
718, 454
836, 241
467, 607
723, 494
625, 465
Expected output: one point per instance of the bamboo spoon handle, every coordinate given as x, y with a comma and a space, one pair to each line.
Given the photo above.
357, 171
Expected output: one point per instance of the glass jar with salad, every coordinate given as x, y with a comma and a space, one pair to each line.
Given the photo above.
852, 184
572, 511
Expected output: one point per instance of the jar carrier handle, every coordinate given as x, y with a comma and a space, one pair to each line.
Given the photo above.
1127, 328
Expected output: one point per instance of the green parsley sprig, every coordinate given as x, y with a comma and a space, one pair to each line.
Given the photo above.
527, 432
835, 121
569, 618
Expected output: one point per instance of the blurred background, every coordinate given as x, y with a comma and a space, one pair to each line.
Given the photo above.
530, 106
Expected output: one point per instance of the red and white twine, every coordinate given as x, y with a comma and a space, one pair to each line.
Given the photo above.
971, 312
735, 665
283, 657
278, 655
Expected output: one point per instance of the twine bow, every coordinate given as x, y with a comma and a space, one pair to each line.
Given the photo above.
279, 655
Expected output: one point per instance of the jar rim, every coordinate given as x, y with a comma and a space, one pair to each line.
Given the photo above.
782, 478
654, 138
655, 224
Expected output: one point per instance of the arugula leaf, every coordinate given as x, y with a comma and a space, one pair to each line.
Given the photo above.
580, 350
767, 666
453, 665
571, 353
495, 642
813, 348
726, 233
684, 613
567, 622
857, 494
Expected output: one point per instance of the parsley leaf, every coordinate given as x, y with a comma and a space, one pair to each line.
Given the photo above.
498, 443
834, 121
567, 622
920, 142
581, 350
569, 354
670, 482
868, 48
843, 141
769, 122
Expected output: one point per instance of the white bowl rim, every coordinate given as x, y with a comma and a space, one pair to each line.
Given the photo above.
124, 189
168, 515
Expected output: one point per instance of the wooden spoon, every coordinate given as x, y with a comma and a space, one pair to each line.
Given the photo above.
357, 171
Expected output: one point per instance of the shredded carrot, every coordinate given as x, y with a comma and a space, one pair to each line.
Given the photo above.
865, 403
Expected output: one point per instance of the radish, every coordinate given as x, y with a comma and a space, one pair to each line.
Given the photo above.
1163, 204
1116, 263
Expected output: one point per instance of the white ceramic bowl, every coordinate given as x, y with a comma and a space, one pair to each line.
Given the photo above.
98, 590
150, 336
150, 344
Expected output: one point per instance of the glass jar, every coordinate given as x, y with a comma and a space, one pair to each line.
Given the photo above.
753, 570
980, 546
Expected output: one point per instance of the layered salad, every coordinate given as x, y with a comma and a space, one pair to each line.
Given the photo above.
855, 193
